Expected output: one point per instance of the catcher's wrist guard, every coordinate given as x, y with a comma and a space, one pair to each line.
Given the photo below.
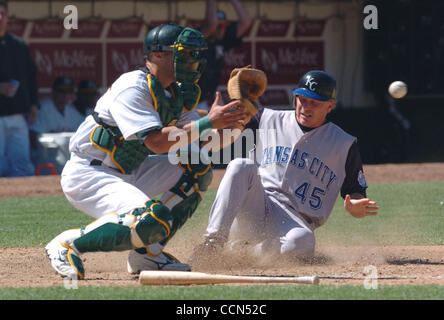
203, 124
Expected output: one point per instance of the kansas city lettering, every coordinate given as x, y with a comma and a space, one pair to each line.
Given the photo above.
301, 160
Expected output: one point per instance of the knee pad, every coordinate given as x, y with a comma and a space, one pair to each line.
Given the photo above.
154, 225
114, 232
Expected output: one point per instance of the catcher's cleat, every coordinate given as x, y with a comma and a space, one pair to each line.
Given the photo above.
64, 259
138, 262
207, 252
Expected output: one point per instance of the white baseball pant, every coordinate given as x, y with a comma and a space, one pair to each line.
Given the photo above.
98, 190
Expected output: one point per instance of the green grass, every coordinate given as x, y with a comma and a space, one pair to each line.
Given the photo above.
31, 222
410, 214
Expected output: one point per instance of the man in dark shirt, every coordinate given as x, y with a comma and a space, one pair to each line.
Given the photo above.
86, 97
18, 101
222, 36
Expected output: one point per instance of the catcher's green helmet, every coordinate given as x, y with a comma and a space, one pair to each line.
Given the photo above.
161, 38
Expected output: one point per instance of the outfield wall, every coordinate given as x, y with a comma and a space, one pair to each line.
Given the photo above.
287, 39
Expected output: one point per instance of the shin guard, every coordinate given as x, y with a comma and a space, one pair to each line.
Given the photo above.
184, 198
114, 232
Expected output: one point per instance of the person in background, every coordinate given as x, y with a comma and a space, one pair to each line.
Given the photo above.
57, 114
221, 36
86, 97
18, 101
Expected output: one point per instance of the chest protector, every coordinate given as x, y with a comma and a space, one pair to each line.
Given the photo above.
127, 155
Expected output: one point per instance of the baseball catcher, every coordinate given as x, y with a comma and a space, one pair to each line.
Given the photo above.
120, 158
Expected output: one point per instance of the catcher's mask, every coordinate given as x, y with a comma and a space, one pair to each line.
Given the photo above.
188, 55
187, 46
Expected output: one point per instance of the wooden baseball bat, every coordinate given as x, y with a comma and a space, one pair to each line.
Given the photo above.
188, 278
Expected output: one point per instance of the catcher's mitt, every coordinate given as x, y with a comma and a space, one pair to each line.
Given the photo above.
247, 84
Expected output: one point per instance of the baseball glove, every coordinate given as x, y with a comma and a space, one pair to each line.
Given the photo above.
247, 84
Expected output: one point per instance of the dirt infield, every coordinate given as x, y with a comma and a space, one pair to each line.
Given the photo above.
28, 267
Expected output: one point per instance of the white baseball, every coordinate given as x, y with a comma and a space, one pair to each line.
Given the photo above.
397, 89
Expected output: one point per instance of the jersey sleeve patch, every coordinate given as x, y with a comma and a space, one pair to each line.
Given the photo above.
361, 179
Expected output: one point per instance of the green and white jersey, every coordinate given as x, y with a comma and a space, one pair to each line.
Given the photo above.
129, 105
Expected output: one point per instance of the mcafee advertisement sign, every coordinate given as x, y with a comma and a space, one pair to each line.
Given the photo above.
129, 28
76, 60
309, 28
235, 58
17, 27
273, 28
286, 62
88, 29
121, 58
48, 28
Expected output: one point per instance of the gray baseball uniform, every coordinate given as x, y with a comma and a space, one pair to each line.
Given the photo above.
290, 189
